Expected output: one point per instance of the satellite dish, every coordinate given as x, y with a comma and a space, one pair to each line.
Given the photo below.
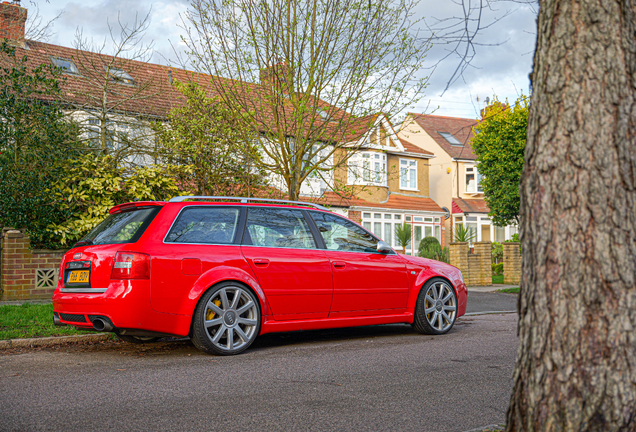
446, 213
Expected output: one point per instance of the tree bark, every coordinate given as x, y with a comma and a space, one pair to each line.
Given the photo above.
576, 368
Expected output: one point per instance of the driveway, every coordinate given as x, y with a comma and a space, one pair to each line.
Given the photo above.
371, 378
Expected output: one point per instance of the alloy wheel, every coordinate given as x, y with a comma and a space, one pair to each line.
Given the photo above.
440, 306
231, 318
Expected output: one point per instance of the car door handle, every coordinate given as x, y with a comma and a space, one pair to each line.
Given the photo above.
261, 262
339, 264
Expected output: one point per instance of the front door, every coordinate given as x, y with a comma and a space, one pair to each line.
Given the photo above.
366, 282
282, 252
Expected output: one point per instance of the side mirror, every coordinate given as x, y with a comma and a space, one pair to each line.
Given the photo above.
383, 247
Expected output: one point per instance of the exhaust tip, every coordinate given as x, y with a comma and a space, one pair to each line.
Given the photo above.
57, 321
103, 325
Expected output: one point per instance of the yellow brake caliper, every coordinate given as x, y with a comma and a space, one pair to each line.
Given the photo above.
210, 314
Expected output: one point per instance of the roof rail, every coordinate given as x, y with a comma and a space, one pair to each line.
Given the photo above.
246, 199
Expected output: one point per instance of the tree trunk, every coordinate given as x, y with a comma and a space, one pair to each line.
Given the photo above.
577, 307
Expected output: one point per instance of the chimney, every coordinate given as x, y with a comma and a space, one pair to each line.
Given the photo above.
274, 75
12, 21
502, 106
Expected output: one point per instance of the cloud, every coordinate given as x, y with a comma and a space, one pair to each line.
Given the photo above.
500, 69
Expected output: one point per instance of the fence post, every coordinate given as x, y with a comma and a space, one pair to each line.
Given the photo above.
459, 258
511, 263
483, 271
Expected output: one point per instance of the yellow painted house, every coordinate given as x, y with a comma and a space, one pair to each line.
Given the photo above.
385, 182
454, 174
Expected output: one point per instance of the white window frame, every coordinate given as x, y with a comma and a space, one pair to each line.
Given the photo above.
411, 165
368, 168
476, 186
372, 217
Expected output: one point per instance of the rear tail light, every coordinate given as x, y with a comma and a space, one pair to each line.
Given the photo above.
131, 265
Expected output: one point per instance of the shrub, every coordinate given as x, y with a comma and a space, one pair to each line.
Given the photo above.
430, 248
515, 238
497, 252
93, 185
426, 243
497, 269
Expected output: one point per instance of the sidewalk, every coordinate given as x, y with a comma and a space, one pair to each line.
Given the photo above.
489, 288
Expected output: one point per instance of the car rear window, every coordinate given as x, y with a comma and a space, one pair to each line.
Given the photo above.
124, 227
205, 224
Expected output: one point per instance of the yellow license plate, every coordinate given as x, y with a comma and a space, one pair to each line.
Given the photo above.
78, 276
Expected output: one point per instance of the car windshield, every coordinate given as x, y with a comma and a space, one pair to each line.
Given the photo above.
125, 227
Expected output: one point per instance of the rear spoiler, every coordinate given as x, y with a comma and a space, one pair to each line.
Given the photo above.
132, 205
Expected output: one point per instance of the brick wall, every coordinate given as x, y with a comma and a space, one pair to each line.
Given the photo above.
475, 267
12, 21
355, 216
26, 274
511, 263
483, 267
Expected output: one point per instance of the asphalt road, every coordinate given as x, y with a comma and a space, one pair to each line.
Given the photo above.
370, 378
491, 302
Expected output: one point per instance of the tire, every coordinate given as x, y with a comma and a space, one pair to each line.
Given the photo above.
137, 339
227, 319
436, 308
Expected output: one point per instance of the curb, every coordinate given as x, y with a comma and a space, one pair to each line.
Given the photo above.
488, 313
492, 427
52, 341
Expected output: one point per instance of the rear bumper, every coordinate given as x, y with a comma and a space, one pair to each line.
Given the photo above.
126, 303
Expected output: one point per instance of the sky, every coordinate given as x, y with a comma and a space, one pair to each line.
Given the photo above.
504, 46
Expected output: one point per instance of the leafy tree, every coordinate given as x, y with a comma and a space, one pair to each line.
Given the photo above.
36, 146
499, 143
92, 185
201, 135
324, 68
575, 365
403, 234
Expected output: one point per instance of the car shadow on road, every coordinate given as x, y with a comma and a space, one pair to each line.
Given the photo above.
271, 340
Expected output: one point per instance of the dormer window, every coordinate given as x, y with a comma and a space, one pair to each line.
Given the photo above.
119, 75
323, 114
65, 65
451, 139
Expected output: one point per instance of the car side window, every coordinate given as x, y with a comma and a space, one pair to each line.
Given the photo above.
276, 227
205, 224
343, 235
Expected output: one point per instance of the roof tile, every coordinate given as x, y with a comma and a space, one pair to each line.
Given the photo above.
460, 128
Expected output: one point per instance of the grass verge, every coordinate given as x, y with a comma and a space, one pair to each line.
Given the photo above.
30, 320
497, 279
514, 290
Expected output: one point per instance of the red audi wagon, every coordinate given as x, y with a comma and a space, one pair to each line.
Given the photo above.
225, 270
